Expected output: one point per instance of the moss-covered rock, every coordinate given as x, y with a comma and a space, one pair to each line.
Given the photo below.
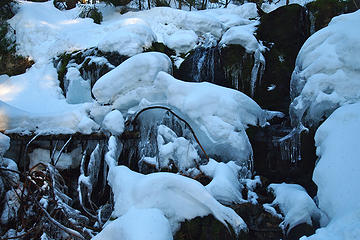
322, 11
91, 63
283, 31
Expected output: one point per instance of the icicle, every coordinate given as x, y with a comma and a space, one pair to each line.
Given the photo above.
257, 70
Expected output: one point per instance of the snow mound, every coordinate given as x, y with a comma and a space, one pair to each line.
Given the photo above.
137, 224
114, 122
177, 197
295, 204
182, 41
242, 35
224, 186
327, 75
132, 37
137, 71
337, 173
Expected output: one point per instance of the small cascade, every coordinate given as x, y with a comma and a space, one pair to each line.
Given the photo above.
290, 146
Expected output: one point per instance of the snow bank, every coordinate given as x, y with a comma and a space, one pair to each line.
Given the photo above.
137, 224
224, 186
295, 204
177, 197
136, 72
327, 75
337, 173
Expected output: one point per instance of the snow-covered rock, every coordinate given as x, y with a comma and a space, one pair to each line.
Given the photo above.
114, 122
327, 75
4, 144
138, 71
296, 205
182, 41
224, 186
177, 197
337, 174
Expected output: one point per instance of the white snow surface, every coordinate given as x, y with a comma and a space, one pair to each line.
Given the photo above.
138, 71
242, 35
114, 122
224, 186
337, 174
327, 75
177, 197
137, 224
4, 144
296, 205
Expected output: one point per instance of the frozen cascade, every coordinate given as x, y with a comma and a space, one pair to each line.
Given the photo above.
257, 71
203, 68
290, 146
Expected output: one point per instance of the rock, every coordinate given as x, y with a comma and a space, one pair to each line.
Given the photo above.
300, 230
322, 11
283, 31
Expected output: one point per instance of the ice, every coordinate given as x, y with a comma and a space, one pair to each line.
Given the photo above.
138, 71
327, 74
337, 174
78, 90
224, 186
296, 205
66, 160
4, 144
137, 224
114, 122
177, 197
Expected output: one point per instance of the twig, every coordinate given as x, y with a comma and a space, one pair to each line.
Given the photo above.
57, 224
61, 150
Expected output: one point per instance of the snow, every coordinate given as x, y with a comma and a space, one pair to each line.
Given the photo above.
4, 144
337, 173
224, 186
327, 74
242, 35
137, 224
182, 41
272, 5
137, 71
175, 150
114, 122
177, 197
295, 204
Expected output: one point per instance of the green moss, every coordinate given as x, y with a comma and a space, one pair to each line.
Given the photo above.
62, 70
160, 47
324, 10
